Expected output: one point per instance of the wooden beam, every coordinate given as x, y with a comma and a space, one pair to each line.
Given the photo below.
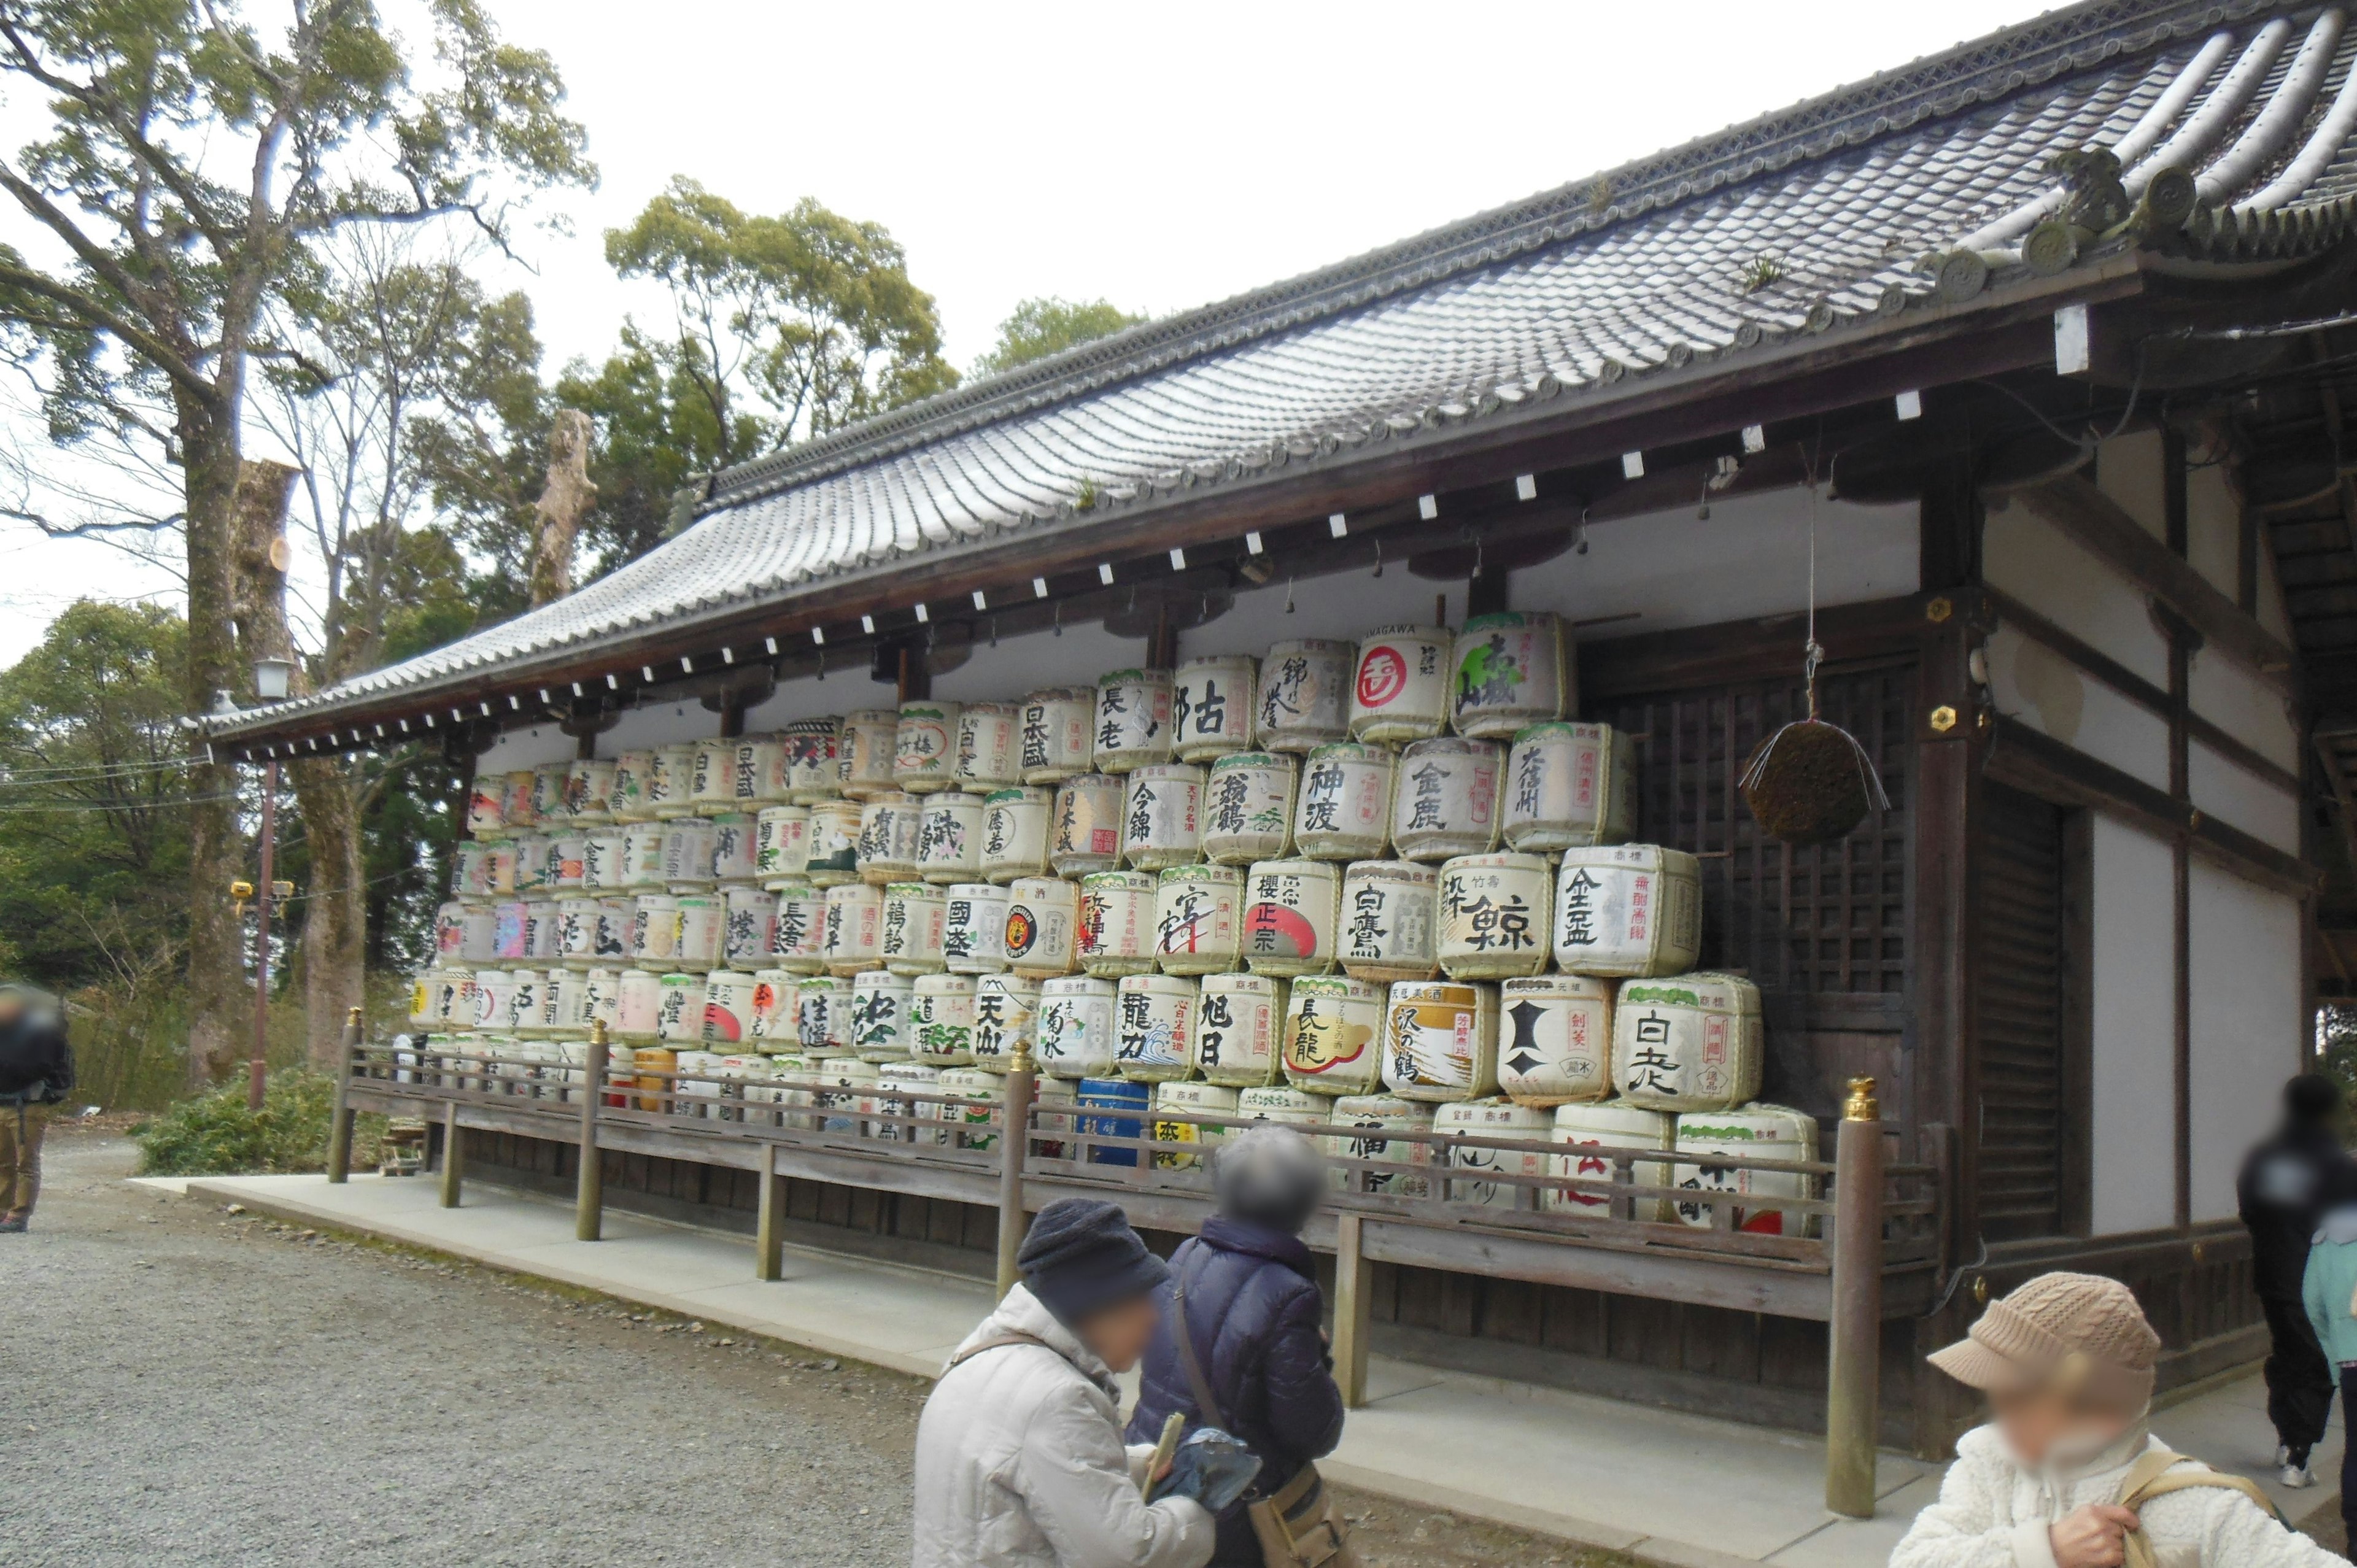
1732, 650
2095, 521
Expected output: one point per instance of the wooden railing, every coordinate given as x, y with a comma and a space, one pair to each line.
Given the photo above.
1864, 1237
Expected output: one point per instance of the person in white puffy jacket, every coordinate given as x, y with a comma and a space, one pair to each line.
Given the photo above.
2067, 1476
1020, 1457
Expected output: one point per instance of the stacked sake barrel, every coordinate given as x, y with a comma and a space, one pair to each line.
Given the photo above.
1386, 886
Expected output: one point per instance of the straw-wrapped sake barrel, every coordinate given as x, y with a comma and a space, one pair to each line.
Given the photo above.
989, 747
1058, 731
798, 940
1248, 807
1086, 834
1116, 930
1283, 1103
1187, 1099
880, 1028
1513, 669
1198, 925
628, 798
834, 842
1289, 916
1304, 694
1754, 1131
1211, 707
1006, 1019
1473, 1173
1239, 1030
1075, 1029
1494, 916
948, 837
782, 846
749, 929
1389, 920
1345, 805
1628, 910
909, 939
974, 928
925, 746
1369, 1117
1333, 1035
1440, 1041
855, 928
589, 791
1399, 690
1610, 1126
1570, 784
1154, 1021
1015, 825
1555, 1038
1687, 1041
814, 763
864, 752
1162, 816
941, 1020
1133, 719
823, 1016
1445, 799
1043, 920
889, 824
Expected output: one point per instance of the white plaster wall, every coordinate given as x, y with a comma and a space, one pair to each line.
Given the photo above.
2230, 696
2134, 1034
2213, 527
2223, 790
2246, 1028
1344, 605
2272, 612
1749, 558
1021, 665
660, 723
2025, 556
2128, 469
2031, 682
527, 747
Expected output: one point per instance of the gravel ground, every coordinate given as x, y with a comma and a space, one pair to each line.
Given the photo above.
202, 1388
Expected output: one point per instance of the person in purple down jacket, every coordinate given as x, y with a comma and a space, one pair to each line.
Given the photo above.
1254, 1315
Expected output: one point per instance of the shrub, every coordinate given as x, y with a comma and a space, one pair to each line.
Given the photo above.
216, 1134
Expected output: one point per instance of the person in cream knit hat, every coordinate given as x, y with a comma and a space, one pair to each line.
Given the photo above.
2066, 1474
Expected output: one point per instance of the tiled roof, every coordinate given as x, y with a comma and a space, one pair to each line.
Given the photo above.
1930, 180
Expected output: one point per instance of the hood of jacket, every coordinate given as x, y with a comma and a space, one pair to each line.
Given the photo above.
1021, 1312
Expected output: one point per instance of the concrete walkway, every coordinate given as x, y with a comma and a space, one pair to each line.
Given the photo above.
1670, 1488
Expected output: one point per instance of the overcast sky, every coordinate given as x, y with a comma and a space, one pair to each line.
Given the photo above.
1160, 156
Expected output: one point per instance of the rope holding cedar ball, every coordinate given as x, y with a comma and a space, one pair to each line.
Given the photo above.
1811, 782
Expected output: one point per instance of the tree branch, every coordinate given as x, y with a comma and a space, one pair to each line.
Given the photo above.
96, 315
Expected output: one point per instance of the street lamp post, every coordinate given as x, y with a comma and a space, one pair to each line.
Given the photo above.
271, 678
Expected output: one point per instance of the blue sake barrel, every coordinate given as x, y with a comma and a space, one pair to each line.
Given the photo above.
1114, 1094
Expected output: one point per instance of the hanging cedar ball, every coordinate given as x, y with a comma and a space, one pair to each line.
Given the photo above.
1810, 782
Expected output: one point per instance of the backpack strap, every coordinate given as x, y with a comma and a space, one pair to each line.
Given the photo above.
2154, 1475
998, 1342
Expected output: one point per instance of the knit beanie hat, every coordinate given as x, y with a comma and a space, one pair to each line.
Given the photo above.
2079, 1332
1081, 1257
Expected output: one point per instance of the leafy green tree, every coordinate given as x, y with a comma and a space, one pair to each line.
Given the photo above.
192, 165
1045, 326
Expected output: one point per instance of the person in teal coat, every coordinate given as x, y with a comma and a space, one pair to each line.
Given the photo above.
2329, 1290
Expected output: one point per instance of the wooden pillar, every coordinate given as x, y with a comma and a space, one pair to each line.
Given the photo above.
1014, 1152
340, 1119
453, 1161
769, 1241
1354, 1291
589, 1182
1854, 1359
916, 681
2183, 642
1486, 594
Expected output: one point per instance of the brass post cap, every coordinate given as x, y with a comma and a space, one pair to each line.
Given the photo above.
1861, 1106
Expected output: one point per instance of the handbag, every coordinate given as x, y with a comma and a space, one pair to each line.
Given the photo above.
1297, 1525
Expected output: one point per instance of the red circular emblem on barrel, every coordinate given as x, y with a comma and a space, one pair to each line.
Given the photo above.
1382, 675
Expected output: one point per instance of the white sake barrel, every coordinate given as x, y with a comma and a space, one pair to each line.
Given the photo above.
834, 842
881, 1027
813, 766
1400, 687
1304, 698
1445, 798
1570, 784
531, 862
1440, 1041
1248, 807
422, 987
450, 931
764, 771
478, 934
1154, 1023
609, 930
1555, 1038
910, 941
1059, 734
1513, 669
1345, 806
823, 1016
507, 938
642, 856
1198, 920
864, 752
544, 928
774, 1014
1370, 1118
654, 929
599, 998
1687, 1041
672, 780
1075, 1032
974, 928
702, 930
563, 993
711, 778
782, 846
453, 1003
1333, 1035
855, 928
1497, 1118
468, 877
679, 1008
989, 753
1628, 910
1162, 816
1282, 1102
727, 1008
1133, 719
889, 822
549, 805
494, 999
1006, 1019
1211, 707
909, 1079
925, 746
500, 867
1086, 835
749, 931
601, 863
1289, 916
637, 1002
941, 1020
948, 837
563, 870
1043, 916
1064, 1094
1239, 1030
972, 1083
1116, 930
689, 845
1014, 833
486, 816
516, 811
798, 937
1755, 1131
1494, 916
1190, 1100
627, 798
734, 848
848, 1080
1612, 1126
1389, 923
577, 932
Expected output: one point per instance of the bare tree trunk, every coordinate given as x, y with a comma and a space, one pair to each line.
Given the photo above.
564, 499
216, 847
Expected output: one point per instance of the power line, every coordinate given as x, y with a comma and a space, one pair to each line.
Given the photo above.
120, 806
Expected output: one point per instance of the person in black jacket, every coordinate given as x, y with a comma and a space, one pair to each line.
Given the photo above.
36, 1072
2284, 1186
1253, 1315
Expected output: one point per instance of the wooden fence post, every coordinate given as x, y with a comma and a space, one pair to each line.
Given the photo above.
769, 1239
453, 1161
339, 1119
1853, 1345
1353, 1285
1013, 1152
589, 1186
